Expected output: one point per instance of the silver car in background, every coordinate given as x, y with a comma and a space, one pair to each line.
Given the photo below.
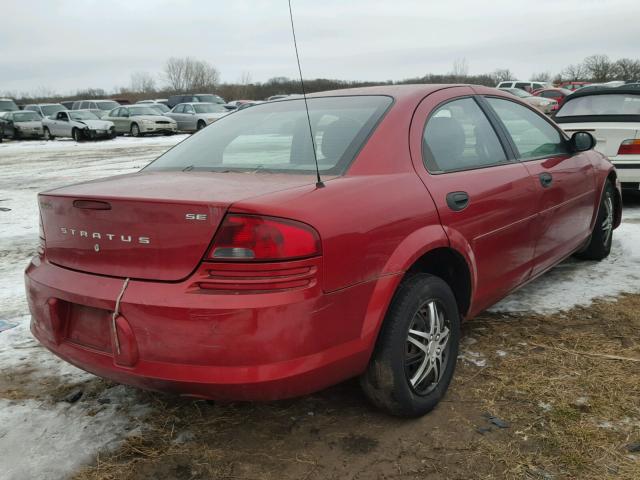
77, 124
99, 107
19, 124
196, 116
46, 109
138, 120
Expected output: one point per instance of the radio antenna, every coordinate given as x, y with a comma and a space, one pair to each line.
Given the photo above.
319, 183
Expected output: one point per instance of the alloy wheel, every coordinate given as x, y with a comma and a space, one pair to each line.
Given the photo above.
607, 223
427, 348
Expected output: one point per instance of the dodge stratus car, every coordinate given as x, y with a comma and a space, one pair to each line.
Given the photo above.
225, 270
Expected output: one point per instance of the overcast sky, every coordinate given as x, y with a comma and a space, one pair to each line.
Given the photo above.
65, 45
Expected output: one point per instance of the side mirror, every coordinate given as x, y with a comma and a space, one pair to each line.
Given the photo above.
582, 141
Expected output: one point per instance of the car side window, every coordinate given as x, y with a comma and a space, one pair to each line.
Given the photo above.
188, 109
179, 109
458, 136
115, 112
533, 136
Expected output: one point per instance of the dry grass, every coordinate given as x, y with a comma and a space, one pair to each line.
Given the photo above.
537, 386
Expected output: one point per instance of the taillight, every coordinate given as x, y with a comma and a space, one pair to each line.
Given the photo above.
253, 237
629, 147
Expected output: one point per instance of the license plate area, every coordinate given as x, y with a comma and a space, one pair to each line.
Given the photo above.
89, 327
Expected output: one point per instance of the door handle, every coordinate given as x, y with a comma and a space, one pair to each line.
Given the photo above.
457, 200
546, 179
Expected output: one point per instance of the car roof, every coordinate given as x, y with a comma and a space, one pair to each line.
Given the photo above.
604, 90
197, 103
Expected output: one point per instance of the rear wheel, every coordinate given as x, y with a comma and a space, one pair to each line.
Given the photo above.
47, 134
201, 124
416, 352
135, 130
599, 245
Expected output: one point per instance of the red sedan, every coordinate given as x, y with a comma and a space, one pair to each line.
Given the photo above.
557, 94
223, 270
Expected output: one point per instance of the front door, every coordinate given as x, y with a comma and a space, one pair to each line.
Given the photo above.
565, 180
485, 198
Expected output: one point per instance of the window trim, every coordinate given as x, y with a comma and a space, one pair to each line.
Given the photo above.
510, 160
518, 155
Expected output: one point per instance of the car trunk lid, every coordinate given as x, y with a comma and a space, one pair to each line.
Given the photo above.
608, 135
149, 225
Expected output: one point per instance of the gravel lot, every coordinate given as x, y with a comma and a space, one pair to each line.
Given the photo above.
526, 363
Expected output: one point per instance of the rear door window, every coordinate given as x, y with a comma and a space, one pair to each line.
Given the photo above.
458, 136
533, 136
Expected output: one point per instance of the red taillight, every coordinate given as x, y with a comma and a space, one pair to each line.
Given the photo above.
629, 147
252, 237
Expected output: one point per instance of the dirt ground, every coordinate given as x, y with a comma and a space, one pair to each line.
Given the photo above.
536, 398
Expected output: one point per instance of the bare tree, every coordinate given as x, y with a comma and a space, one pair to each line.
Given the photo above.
503, 74
460, 68
628, 69
189, 74
600, 68
575, 72
540, 77
142, 82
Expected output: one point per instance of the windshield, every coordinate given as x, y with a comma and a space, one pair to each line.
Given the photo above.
274, 137
208, 108
51, 109
210, 98
107, 105
133, 111
8, 106
158, 107
83, 115
26, 116
615, 104
518, 92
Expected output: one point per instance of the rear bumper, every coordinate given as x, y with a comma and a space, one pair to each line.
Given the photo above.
225, 346
628, 169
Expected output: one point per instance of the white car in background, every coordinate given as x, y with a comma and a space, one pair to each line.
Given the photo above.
612, 116
523, 85
77, 124
46, 109
195, 116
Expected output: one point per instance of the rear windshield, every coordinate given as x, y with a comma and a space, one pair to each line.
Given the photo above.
209, 108
107, 105
51, 109
26, 116
209, 98
274, 137
8, 106
609, 104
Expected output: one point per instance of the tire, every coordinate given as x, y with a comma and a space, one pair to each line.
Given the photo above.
599, 245
395, 379
134, 130
76, 134
113, 134
201, 125
46, 134
16, 134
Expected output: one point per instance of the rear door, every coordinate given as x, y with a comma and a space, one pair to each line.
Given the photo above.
486, 200
565, 181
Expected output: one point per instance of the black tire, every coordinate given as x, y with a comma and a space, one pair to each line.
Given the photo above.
76, 134
201, 124
392, 368
135, 130
599, 245
112, 133
16, 134
46, 134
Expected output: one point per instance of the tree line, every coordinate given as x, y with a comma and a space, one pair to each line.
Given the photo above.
190, 75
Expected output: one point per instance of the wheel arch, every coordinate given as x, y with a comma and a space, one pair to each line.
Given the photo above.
613, 178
